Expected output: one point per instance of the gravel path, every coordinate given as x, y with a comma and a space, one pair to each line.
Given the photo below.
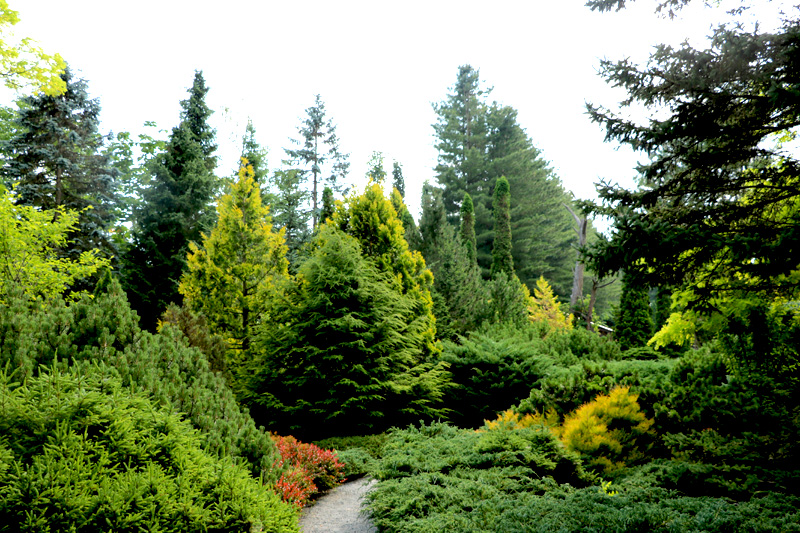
339, 511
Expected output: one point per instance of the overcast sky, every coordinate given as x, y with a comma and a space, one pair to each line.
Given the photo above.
377, 65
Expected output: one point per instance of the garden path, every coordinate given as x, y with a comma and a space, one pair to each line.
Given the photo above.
339, 511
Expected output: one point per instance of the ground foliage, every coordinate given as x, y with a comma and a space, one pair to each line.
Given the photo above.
80, 452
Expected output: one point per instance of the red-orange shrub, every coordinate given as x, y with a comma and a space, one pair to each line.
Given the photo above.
310, 470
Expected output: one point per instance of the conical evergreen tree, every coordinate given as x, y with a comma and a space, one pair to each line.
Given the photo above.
55, 160
176, 209
634, 325
233, 272
467, 232
289, 212
398, 181
502, 261
343, 354
328, 205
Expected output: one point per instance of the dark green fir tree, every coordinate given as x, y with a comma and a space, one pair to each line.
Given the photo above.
467, 231
502, 261
398, 181
176, 208
634, 324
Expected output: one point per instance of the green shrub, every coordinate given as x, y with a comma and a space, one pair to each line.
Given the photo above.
81, 453
104, 329
359, 453
438, 476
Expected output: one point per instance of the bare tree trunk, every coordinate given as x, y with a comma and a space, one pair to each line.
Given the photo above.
578, 272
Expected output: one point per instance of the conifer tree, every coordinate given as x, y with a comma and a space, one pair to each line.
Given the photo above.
410, 230
376, 173
373, 221
328, 205
342, 354
289, 211
318, 160
176, 208
232, 274
479, 142
502, 261
55, 160
634, 325
467, 232
398, 181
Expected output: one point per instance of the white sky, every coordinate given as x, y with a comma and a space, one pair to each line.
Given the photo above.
377, 65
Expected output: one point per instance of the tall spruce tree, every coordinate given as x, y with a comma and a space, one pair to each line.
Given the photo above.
55, 159
478, 143
176, 208
318, 160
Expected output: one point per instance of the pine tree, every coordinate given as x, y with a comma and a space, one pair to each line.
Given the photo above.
502, 261
232, 274
634, 324
318, 160
398, 181
55, 160
176, 208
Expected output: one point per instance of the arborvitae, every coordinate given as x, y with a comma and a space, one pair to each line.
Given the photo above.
663, 307
398, 182
467, 232
176, 209
54, 159
502, 260
432, 222
232, 274
634, 324
343, 353
328, 205
318, 160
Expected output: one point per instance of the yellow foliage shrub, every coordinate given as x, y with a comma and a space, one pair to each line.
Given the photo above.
543, 307
510, 419
610, 432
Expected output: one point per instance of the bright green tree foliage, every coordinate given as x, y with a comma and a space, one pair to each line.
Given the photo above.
634, 324
23, 64
81, 453
55, 159
543, 307
30, 241
232, 274
373, 221
176, 209
502, 261
345, 351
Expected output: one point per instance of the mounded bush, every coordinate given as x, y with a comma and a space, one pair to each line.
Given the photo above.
79, 452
